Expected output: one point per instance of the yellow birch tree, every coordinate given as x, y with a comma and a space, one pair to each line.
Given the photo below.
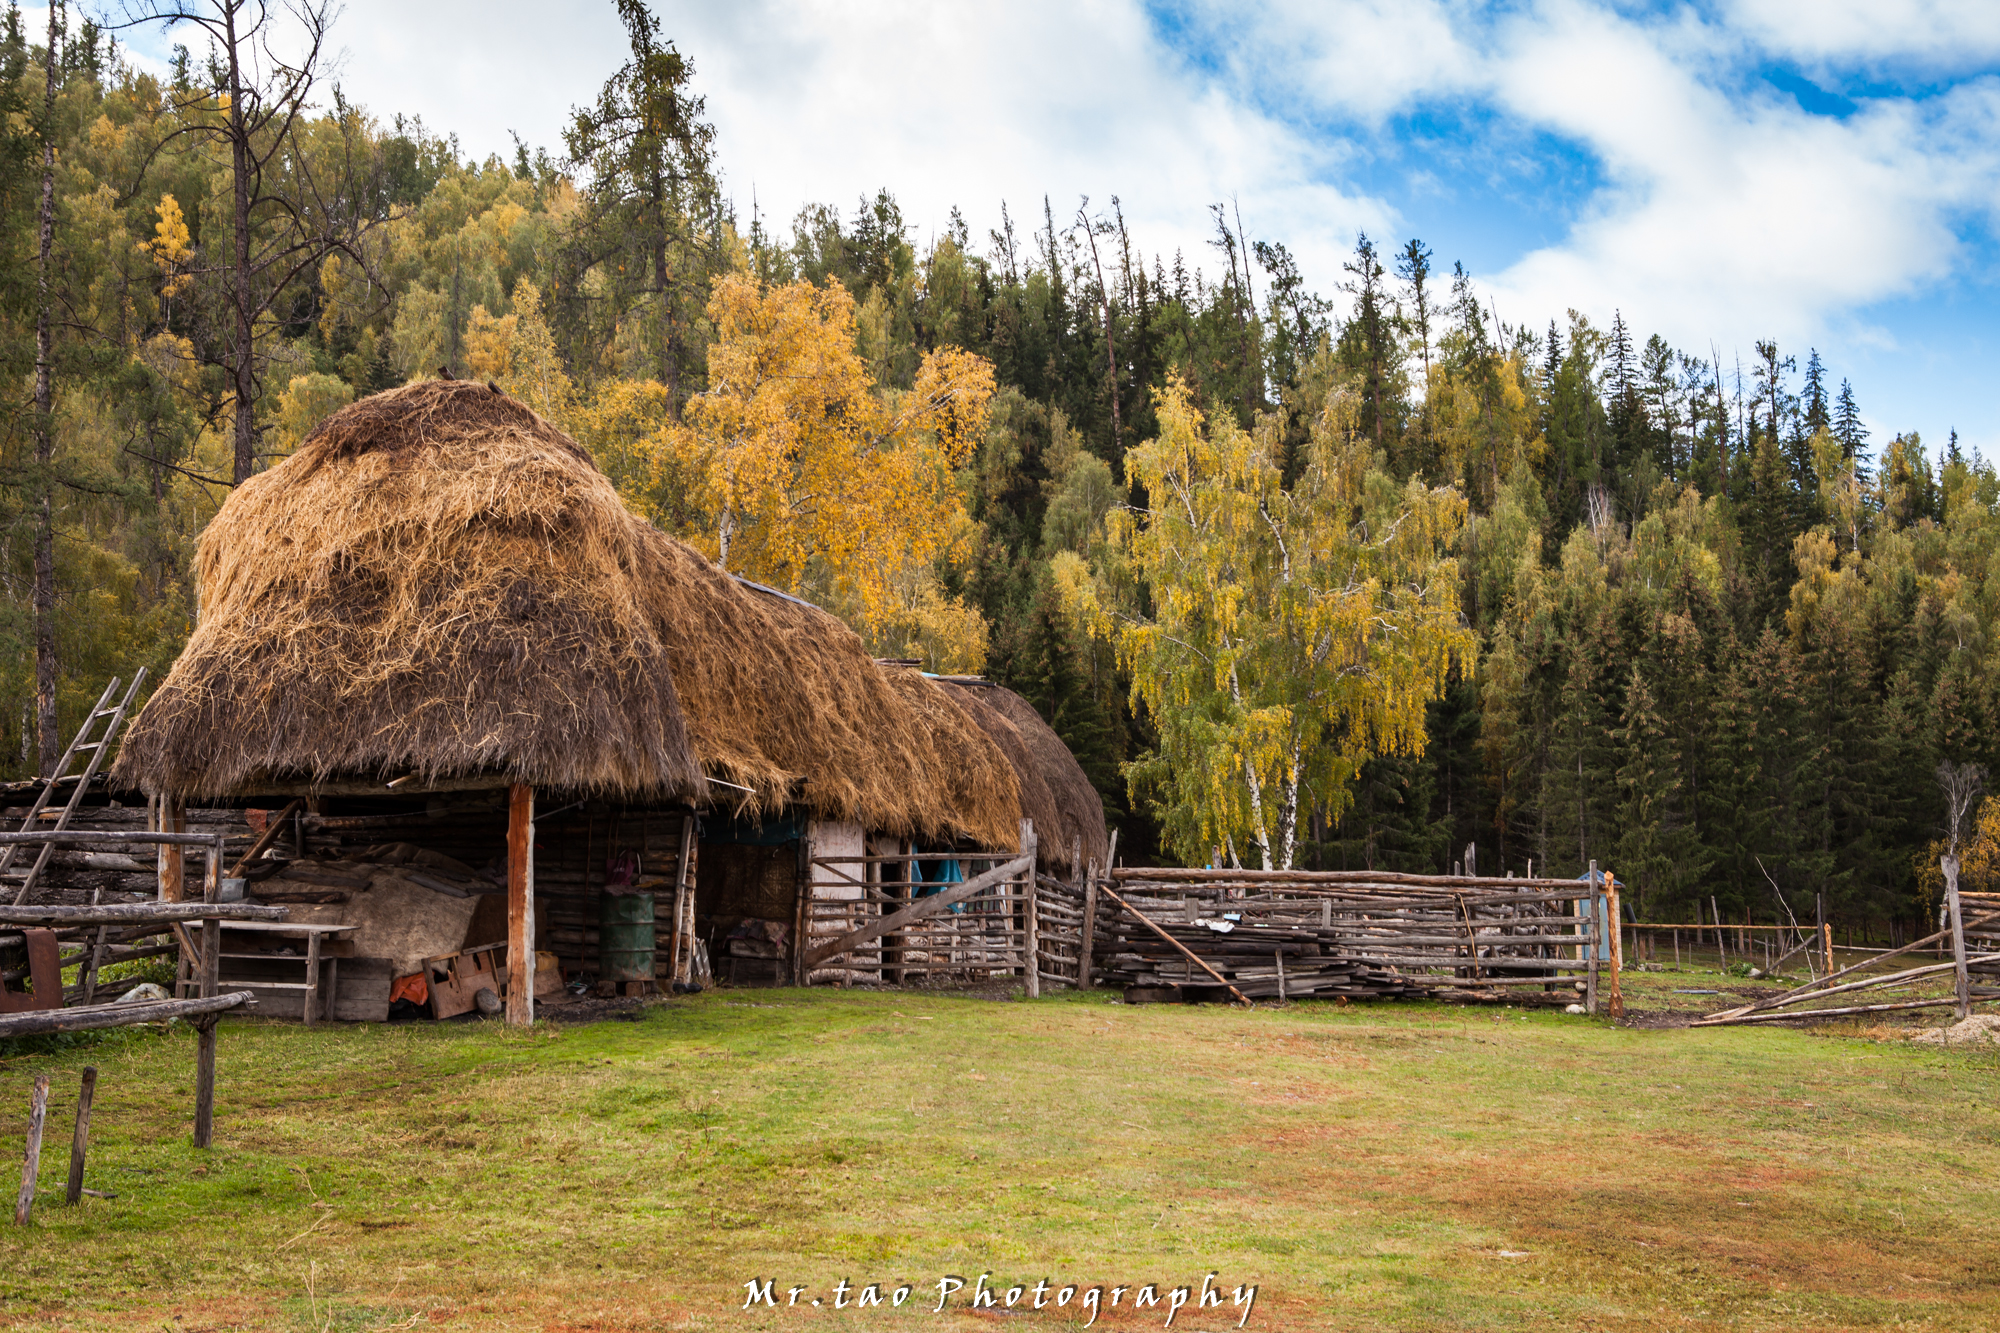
1277, 637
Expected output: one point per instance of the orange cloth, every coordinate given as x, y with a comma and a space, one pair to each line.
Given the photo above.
415, 988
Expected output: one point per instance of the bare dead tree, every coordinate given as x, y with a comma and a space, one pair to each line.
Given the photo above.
288, 212
1962, 784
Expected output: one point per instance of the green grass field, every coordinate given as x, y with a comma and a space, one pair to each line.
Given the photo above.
1385, 1167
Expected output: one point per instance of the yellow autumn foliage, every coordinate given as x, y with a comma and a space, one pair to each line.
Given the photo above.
798, 470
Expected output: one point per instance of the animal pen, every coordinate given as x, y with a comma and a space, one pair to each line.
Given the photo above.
1202, 934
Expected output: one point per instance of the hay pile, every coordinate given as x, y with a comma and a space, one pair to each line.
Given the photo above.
438, 582
441, 583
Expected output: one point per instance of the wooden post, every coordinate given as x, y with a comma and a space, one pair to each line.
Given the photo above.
173, 871
1087, 936
210, 972
1594, 945
31, 1163
96, 959
675, 971
80, 1140
1721, 948
1031, 936
520, 904
1827, 934
1617, 944
311, 1012
802, 936
1950, 866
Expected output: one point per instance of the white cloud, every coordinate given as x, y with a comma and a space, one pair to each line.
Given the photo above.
1956, 34
1724, 213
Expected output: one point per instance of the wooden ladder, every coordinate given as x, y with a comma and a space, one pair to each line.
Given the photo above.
79, 744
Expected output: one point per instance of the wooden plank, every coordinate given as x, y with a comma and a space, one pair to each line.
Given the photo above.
521, 904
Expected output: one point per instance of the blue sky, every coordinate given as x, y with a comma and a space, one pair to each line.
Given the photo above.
1826, 174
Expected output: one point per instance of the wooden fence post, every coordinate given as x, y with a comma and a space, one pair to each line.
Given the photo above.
520, 904
1087, 936
1031, 935
1594, 945
1950, 866
1611, 903
210, 975
79, 1141
31, 1164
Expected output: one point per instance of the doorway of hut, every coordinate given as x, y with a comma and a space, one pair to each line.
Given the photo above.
747, 895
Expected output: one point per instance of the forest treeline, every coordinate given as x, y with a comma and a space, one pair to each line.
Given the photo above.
1341, 580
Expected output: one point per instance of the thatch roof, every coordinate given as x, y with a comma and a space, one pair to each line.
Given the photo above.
439, 582
782, 697
1055, 793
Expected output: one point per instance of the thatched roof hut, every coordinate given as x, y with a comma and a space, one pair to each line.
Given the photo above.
439, 583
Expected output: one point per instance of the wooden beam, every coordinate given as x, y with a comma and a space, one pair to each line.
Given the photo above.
272, 825
917, 911
520, 904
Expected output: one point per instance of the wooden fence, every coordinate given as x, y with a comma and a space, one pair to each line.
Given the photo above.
1226, 934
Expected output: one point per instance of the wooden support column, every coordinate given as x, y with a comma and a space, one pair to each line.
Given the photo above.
172, 819
520, 904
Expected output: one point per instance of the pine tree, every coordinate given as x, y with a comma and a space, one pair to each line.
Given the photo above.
1847, 427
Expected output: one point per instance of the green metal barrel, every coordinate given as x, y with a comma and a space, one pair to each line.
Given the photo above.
625, 937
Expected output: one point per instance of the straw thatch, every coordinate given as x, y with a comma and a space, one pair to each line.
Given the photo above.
441, 583
437, 582
782, 697
1055, 793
